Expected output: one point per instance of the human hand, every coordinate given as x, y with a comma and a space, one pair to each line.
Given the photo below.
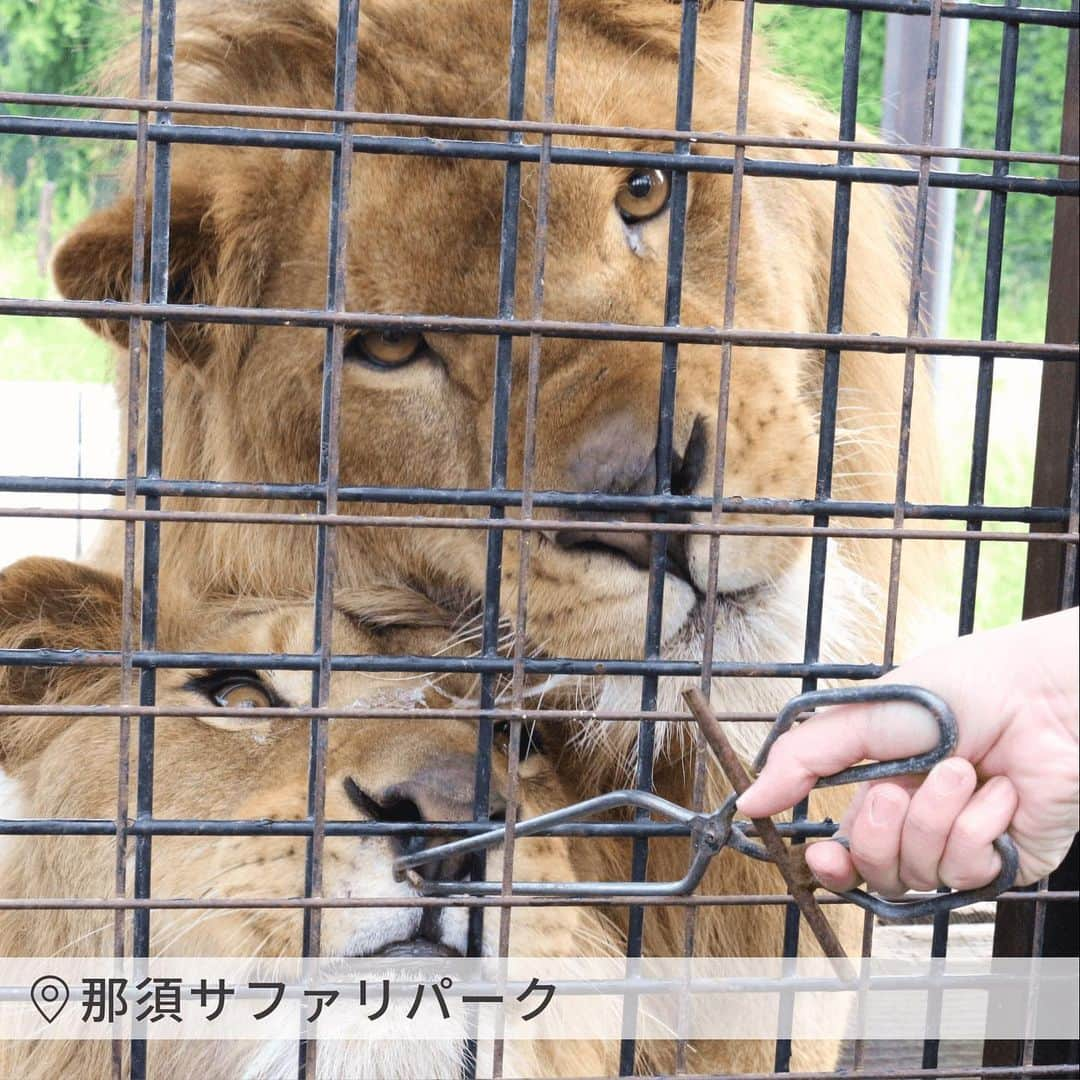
1014, 693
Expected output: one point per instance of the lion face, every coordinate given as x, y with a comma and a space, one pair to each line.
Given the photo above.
249, 228
219, 767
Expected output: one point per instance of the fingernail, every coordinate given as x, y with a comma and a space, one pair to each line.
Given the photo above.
823, 874
883, 809
830, 881
950, 775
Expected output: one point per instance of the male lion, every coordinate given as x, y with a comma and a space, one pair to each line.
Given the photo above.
249, 228
220, 768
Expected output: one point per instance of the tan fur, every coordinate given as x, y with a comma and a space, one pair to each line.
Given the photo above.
249, 228
256, 769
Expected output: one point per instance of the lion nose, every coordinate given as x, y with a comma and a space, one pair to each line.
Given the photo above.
614, 460
441, 792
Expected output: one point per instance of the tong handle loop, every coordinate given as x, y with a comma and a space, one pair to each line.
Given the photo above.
799, 706
922, 906
919, 906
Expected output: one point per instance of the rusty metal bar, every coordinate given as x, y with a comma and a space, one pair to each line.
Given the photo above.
299, 902
794, 871
1055, 481
599, 331
541, 127
424, 522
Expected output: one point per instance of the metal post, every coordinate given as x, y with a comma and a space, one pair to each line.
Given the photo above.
1047, 586
907, 39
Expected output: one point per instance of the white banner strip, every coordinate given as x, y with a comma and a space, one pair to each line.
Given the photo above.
215, 998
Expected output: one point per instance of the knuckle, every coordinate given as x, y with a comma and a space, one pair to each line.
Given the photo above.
964, 877
922, 825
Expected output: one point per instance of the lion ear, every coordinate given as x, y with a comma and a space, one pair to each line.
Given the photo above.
94, 263
58, 605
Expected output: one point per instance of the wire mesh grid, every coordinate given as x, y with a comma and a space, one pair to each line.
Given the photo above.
343, 132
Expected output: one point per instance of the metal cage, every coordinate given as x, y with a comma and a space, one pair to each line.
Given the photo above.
1029, 921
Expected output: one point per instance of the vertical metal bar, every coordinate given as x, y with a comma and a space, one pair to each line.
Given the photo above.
995, 243
701, 752
907, 41
155, 407
131, 472
1038, 944
345, 64
543, 202
643, 780
1050, 581
858, 1052
995, 246
830, 388
500, 421
915, 298
904, 441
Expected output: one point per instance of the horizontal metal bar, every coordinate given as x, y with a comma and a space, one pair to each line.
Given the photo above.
570, 500
949, 10
300, 902
563, 329
538, 127
960, 1072
421, 146
475, 665
372, 521
264, 827
304, 712
357, 521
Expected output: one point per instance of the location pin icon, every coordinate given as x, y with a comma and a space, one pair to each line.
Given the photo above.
49, 994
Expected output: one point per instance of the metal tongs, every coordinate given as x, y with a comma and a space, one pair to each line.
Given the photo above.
710, 833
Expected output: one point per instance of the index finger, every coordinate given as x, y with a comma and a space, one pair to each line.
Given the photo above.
835, 739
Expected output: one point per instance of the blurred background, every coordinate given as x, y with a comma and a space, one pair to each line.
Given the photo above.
56, 410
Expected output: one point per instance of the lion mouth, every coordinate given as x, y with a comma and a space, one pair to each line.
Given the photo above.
418, 946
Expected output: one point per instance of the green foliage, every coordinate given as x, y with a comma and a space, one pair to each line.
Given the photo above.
52, 46
1029, 219
43, 348
808, 44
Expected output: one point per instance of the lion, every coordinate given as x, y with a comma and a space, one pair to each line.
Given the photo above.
249, 228
235, 768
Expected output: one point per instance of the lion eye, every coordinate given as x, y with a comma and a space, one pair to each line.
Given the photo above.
245, 693
385, 348
643, 195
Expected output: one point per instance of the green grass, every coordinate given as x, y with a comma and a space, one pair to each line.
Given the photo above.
48, 349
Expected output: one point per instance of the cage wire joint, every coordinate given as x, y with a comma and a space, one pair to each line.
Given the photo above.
711, 832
